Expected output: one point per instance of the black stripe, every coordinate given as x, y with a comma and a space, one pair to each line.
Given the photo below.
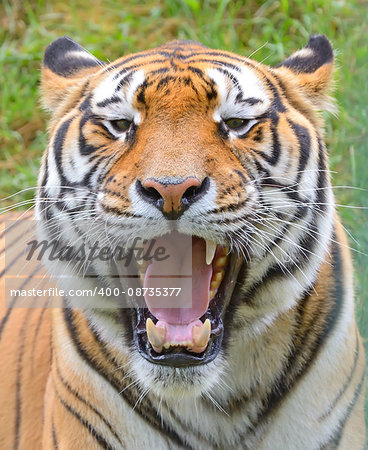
37, 330
141, 93
338, 291
14, 224
85, 402
54, 435
219, 64
233, 79
158, 71
250, 100
107, 134
84, 148
310, 239
98, 437
337, 438
242, 176
347, 382
288, 189
286, 269
118, 212
262, 171
12, 262
198, 54
302, 242
109, 101
165, 80
232, 207
304, 146
58, 145
275, 144
132, 58
124, 81
18, 385
11, 244
322, 177
11, 306
210, 90
87, 180
276, 149
85, 104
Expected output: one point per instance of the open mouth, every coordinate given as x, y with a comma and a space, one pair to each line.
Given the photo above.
186, 295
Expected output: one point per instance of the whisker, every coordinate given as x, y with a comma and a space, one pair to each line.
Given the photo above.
215, 403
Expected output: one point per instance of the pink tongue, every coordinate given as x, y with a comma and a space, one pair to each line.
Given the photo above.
188, 263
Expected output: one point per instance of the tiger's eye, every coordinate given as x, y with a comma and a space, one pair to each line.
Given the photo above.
121, 124
235, 123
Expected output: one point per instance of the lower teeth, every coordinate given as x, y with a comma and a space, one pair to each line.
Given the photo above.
200, 337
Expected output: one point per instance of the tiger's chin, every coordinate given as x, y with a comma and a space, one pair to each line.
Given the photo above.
171, 383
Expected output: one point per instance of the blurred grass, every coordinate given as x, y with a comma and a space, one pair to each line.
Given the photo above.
273, 29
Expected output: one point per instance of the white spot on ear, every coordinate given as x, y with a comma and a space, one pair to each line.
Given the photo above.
303, 53
81, 54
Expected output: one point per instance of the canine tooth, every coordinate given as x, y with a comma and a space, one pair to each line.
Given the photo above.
210, 251
201, 334
156, 335
212, 293
221, 261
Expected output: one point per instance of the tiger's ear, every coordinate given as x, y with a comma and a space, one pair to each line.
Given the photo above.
309, 72
65, 63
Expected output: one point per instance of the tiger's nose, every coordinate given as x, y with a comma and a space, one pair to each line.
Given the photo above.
172, 196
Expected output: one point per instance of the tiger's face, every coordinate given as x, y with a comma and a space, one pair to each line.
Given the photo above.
186, 141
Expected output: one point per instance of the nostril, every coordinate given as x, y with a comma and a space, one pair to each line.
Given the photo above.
150, 194
194, 193
189, 192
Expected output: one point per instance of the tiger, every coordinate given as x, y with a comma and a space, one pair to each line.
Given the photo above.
173, 143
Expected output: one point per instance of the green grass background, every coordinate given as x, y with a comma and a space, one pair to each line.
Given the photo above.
274, 29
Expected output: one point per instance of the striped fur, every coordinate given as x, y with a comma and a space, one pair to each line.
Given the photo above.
291, 370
